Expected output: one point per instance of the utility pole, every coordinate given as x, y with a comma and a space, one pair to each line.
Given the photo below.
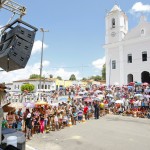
41, 65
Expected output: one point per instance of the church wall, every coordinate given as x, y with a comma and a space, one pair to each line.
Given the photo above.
137, 66
113, 74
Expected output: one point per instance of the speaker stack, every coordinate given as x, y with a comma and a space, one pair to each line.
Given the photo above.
16, 45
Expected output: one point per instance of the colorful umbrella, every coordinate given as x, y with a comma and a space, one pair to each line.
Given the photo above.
78, 97
88, 100
39, 102
29, 105
145, 84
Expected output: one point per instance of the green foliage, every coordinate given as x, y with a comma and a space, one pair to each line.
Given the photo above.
50, 76
35, 76
29, 87
72, 77
59, 78
84, 79
96, 78
104, 72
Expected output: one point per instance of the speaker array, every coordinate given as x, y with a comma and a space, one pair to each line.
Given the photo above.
16, 46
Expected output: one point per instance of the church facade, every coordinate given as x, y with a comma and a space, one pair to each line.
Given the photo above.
127, 52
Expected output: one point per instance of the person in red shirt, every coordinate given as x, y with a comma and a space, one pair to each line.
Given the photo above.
85, 111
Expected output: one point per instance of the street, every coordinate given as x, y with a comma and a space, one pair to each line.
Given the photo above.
111, 132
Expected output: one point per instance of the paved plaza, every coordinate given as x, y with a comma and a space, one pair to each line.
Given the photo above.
111, 132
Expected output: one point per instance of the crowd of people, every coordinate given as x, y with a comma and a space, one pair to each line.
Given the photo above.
81, 104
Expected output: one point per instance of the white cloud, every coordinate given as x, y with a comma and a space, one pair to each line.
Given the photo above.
65, 74
22, 73
35, 69
37, 46
98, 64
140, 7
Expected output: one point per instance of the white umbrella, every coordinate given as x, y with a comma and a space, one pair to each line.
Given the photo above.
81, 93
109, 95
98, 92
119, 102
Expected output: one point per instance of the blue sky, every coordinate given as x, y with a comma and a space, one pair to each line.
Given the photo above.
74, 43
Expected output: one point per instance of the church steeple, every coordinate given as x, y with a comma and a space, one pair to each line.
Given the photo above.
116, 25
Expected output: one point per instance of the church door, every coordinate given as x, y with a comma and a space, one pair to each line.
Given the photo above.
145, 77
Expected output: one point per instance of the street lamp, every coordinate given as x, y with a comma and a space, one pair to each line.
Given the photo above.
41, 66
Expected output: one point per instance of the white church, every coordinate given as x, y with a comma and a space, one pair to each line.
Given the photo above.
127, 52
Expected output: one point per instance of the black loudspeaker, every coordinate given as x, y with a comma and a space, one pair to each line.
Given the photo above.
11, 147
16, 46
21, 32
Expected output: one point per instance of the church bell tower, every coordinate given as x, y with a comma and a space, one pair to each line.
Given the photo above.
116, 25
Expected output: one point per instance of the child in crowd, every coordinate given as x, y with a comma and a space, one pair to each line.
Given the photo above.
56, 122
36, 125
74, 113
65, 119
80, 115
19, 124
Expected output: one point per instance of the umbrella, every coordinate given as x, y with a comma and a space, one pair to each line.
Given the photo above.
138, 83
100, 96
145, 84
63, 99
7, 108
138, 95
130, 87
39, 102
88, 100
16, 105
131, 84
108, 90
78, 97
97, 99
29, 105
54, 104
119, 101
112, 101
81, 93
98, 92
109, 95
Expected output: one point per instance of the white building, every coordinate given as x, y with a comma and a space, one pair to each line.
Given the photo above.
47, 85
127, 52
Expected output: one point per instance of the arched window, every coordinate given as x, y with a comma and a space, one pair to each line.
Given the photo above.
145, 77
113, 23
130, 78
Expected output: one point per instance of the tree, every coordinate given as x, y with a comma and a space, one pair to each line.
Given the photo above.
35, 76
72, 77
84, 79
104, 72
96, 78
27, 87
59, 78
50, 76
